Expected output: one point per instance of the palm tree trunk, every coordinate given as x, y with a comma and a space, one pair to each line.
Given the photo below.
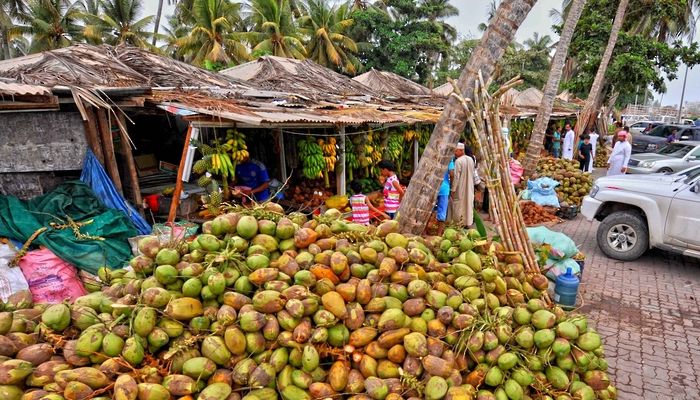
550, 90
417, 203
596, 89
156, 23
5, 45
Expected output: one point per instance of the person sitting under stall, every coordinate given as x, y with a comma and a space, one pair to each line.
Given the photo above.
253, 181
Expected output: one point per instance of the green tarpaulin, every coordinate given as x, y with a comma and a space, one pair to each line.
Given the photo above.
70, 201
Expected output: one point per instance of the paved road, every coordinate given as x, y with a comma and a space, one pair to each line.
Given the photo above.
648, 313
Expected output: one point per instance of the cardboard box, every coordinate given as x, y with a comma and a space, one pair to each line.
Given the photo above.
146, 164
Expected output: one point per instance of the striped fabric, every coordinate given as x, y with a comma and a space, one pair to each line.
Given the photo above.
360, 210
391, 195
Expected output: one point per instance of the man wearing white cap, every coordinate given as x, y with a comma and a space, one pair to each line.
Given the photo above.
461, 208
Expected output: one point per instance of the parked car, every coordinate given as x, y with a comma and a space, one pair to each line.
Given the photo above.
644, 126
638, 212
673, 157
656, 138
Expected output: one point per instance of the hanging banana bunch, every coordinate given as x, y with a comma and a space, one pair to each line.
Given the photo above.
410, 134
329, 158
394, 147
311, 156
237, 147
351, 159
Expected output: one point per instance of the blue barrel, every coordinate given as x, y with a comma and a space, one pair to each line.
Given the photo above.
566, 289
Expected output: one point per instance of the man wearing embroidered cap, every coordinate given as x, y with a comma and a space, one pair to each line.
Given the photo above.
617, 163
461, 208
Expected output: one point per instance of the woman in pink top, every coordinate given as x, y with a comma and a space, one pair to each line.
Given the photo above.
393, 192
361, 205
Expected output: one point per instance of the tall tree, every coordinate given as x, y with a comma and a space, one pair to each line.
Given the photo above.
328, 44
52, 24
119, 23
420, 196
275, 32
595, 95
534, 147
212, 42
156, 23
10, 11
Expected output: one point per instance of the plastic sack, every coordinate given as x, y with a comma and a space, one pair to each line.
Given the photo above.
95, 176
542, 191
51, 280
516, 171
11, 278
562, 246
555, 268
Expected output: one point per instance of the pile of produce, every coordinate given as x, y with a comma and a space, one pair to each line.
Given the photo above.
573, 183
310, 193
267, 306
601, 156
535, 214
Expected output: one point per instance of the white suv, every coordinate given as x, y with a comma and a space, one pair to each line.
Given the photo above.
638, 212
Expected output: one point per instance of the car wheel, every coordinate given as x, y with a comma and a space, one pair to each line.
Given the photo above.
665, 170
623, 235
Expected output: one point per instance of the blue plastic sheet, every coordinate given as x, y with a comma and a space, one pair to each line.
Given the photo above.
542, 191
95, 176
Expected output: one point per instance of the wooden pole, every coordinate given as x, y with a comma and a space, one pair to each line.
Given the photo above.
108, 147
178, 184
340, 172
283, 156
131, 166
91, 135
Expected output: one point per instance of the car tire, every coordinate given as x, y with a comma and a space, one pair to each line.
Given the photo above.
635, 236
665, 170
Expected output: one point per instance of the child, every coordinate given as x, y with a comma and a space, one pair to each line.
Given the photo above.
556, 143
393, 192
585, 152
361, 205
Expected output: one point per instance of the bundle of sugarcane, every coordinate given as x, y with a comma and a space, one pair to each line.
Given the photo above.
483, 117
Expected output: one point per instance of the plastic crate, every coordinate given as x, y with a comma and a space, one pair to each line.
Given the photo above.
569, 212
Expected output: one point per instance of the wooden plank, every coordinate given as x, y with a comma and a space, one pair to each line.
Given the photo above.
131, 166
283, 156
178, 183
340, 173
108, 148
92, 136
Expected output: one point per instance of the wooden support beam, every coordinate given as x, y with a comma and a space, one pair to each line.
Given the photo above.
283, 156
340, 172
93, 138
131, 166
108, 148
178, 183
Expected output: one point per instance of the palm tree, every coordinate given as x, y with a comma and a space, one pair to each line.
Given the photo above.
664, 21
594, 96
538, 43
436, 11
119, 23
156, 23
419, 199
328, 45
274, 31
534, 147
52, 24
212, 40
10, 10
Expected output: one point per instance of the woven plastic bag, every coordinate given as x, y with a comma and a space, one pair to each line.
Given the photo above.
51, 280
11, 278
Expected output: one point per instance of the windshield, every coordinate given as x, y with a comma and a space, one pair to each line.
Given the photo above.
662, 131
677, 150
688, 175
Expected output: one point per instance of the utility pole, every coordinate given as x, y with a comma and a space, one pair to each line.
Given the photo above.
685, 78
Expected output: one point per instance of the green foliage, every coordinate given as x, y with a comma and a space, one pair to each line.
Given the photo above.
325, 28
640, 59
52, 24
118, 22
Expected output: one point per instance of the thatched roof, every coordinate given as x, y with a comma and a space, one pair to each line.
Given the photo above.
443, 90
108, 67
304, 78
392, 85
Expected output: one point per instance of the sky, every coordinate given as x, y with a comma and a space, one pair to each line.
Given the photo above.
474, 12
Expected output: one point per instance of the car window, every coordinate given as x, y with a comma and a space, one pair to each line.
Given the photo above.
640, 125
695, 153
660, 131
677, 150
689, 174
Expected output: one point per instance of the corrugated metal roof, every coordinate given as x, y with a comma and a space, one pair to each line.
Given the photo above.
20, 89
